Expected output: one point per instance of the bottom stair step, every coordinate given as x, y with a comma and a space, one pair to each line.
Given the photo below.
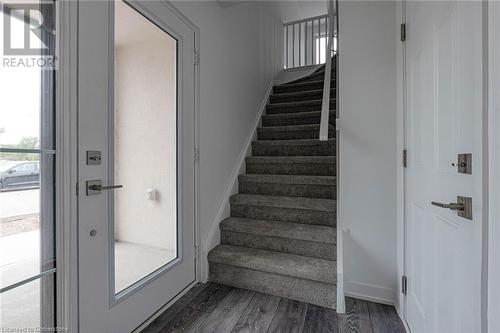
305, 279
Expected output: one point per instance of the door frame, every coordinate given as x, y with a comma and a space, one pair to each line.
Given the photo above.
401, 170
402, 261
67, 165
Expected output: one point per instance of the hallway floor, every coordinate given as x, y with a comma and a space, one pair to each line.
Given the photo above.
217, 308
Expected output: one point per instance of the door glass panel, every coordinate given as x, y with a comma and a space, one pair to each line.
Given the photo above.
145, 147
26, 217
29, 307
27, 166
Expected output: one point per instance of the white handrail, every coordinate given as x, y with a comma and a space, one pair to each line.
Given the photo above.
325, 106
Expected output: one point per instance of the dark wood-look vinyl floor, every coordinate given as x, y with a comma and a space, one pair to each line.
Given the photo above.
217, 308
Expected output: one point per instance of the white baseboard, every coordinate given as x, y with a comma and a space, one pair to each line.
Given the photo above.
369, 292
213, 237
403, 320
340, 293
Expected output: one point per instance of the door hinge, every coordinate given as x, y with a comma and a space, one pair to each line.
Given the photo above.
196, 58
196, 155
403, 32
77, 188
405, 158
404, 285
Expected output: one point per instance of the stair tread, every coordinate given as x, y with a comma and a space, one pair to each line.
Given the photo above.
292, 159
296, 103
299, 93
300, 84
295, 142
317, 204
294, 84
275, 262
288, 179
292, 128
266, 228
295, 115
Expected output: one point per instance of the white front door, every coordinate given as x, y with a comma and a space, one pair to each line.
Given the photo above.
135, 129
444, 93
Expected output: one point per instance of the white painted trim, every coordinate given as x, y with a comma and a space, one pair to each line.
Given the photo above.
493, 68
400, 315
164, 308
66, 166
369, 292
198, 235
401, 299
213, 236
486, 164
340, 231
325, 105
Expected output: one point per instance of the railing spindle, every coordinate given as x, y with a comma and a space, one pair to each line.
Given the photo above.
303, 47
300, 43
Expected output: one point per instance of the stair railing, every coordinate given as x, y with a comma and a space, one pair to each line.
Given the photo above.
330, 51
305, 42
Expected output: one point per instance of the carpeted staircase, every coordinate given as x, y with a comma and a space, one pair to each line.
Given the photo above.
281, 236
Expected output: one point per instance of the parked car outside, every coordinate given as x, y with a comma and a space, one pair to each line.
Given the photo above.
18, 174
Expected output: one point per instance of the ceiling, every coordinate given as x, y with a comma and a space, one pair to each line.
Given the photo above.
131, 27
293, 10
289, 10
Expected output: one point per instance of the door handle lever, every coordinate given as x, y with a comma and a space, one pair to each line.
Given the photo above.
463, 206
451, 205
104, 188
95, 187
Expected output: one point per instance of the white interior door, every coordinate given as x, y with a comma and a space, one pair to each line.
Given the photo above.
444, 87
136, 129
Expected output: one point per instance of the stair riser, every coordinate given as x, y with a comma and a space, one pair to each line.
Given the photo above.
319, 76
283, 89
289, 190
320, 149
278, 244
318, 293
307, 107
306, 120
262, 134
298, 97
284, 214
326, 169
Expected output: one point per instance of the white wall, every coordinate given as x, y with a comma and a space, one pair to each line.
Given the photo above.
368, 147
240, 53
288, 75
494, 147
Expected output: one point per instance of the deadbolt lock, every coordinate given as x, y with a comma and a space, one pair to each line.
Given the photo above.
464, 163
93, 157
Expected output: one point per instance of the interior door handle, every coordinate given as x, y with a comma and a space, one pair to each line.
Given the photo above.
95, 187
451, 205
463, 206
